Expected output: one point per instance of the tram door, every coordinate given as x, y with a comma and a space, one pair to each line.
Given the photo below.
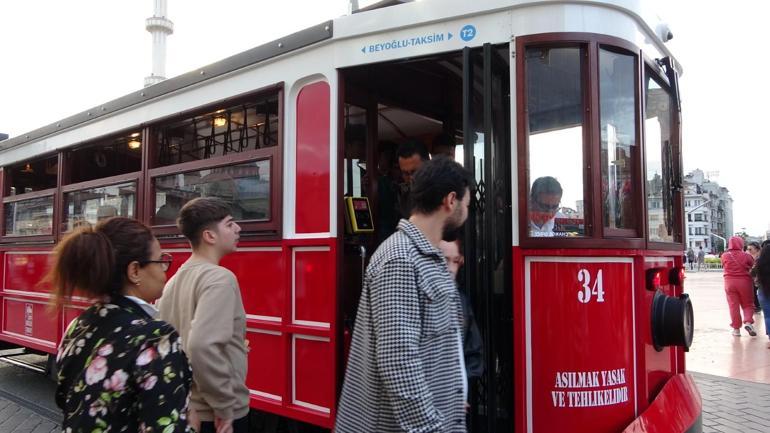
487, 279
463, 99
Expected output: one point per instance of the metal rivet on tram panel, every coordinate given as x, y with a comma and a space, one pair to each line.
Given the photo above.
103, 109
203, 72
326, 28
280, 44
89, 113
58, 125
141, 94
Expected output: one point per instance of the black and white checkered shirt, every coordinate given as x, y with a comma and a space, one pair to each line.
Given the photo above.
404, 371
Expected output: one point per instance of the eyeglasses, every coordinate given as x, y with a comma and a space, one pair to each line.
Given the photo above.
164, 261
546, 207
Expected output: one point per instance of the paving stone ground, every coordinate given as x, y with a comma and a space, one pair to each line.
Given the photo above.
16, 418
733, 405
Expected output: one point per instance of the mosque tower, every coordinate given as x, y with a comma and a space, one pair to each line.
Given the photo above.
159, 27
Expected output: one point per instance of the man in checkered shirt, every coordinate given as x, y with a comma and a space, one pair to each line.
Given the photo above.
406, 370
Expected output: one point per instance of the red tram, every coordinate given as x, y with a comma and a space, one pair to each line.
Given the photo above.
582, 313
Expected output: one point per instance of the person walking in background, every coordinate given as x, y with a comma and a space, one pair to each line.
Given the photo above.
702, 257
761, 274
203, 301
690, 257
739, 284
119, 368
753, 248
406, 369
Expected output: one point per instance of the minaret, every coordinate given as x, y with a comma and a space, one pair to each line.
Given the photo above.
160, 27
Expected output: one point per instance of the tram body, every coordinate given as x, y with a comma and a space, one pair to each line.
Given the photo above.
585, 327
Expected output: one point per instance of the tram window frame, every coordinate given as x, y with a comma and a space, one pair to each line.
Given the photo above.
637, 155
134, 178
7, 199
67, 186
596, 235
270, 228
650, 69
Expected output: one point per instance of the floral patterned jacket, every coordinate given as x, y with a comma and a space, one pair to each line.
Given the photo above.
122, 371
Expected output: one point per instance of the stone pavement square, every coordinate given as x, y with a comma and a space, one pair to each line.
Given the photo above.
15, 418
714, 350
732, 373
733, 405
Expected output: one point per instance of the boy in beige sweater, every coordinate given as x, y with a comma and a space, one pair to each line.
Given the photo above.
203, 302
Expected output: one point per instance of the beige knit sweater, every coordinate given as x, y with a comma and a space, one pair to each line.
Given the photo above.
203, 302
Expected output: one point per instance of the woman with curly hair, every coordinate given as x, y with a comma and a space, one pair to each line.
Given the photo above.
119, 368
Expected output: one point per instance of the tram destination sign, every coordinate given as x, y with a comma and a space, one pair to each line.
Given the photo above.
466, 33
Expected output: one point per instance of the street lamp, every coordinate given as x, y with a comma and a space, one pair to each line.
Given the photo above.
724, 241
698, 207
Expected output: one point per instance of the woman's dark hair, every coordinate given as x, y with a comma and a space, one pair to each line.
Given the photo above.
761, 270
93, 261
201, 214
754, 244
435, 180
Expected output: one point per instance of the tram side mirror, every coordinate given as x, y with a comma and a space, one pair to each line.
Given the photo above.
672, 321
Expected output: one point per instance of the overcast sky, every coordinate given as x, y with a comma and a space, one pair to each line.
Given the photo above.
62, 57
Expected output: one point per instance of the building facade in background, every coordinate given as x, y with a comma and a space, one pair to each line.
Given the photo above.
708, 213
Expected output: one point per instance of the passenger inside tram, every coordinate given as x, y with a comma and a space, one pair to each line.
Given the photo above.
544, 200
411, 155
443, 144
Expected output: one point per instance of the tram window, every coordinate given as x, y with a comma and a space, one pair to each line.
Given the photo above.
555, 108
105, 158
32, 176
89, 206
659, 161
617, 124
229, 130
32, 217
246, 187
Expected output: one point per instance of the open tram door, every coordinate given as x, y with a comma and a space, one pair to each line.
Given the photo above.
457, 104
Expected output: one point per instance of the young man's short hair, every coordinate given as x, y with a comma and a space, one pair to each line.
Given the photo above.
435, 180
201, 214
411, 148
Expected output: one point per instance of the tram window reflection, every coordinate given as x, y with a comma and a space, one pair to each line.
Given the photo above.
660, 160
245, 186
89, 206
31, 217
618, 138
555, 142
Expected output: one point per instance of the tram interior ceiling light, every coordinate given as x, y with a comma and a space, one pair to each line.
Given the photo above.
134, 144
672, 321
219, 118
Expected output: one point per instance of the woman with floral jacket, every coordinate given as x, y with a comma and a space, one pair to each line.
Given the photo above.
119, 368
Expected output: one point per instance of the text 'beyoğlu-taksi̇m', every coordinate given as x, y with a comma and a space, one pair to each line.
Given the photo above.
395, 44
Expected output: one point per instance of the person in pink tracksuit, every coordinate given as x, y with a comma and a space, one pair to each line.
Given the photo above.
739, 286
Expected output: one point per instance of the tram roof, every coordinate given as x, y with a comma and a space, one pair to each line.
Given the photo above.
345, 27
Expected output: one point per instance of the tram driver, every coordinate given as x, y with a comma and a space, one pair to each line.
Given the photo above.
544, 200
